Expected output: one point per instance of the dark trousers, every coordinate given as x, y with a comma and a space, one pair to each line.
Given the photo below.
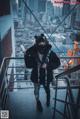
46, 88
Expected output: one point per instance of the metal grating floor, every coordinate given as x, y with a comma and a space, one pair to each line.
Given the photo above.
22, 104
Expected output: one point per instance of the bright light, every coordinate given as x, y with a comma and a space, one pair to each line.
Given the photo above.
16, 1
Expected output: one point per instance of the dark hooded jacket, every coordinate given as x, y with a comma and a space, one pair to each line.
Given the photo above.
32, 59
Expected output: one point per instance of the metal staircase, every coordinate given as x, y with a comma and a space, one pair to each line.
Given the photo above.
19, 100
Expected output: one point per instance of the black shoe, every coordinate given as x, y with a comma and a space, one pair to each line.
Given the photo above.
39, 106
48, 100
48, 103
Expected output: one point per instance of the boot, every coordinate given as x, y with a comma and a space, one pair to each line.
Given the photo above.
48, 100
48, 103
39, 106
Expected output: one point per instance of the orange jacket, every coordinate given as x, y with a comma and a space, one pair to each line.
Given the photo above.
74, 52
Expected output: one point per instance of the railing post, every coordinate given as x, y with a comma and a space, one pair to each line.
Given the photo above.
4, 85
65, 106
71, 98
77, 108
55, 101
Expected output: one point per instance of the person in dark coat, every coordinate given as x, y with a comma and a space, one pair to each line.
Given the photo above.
42, 61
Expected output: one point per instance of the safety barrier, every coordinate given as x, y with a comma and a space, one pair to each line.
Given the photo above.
69, 104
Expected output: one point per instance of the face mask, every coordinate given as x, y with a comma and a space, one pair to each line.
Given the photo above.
42, 49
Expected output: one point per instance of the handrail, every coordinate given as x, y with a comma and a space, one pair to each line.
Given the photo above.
3, 62
3, 86
2, 71
66, 57
69, 95
69, 71
57, 76
61, 57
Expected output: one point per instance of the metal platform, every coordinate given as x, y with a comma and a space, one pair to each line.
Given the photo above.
22, 104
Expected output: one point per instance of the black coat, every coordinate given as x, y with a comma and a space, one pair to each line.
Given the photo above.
31, 61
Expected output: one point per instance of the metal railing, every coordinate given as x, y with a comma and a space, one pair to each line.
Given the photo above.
69, 103
3, 85
71, 108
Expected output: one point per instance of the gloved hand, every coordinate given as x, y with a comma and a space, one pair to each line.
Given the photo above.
44, 66
53, 82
